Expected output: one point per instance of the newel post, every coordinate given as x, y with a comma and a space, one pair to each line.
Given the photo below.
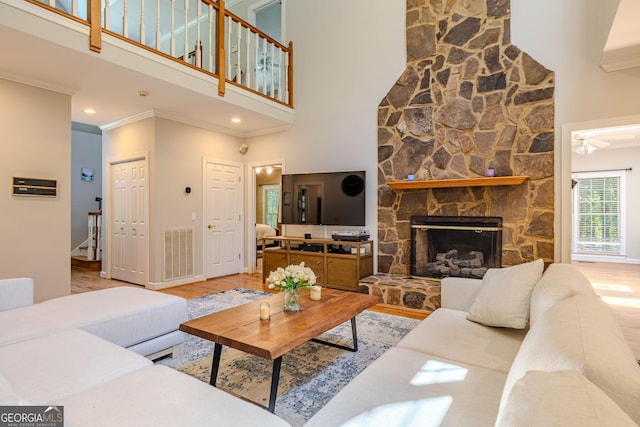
220, 53
290, 74
95, 25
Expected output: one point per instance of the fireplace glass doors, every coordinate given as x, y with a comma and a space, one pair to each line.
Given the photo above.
456, 246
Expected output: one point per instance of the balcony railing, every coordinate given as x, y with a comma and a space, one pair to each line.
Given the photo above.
200, 34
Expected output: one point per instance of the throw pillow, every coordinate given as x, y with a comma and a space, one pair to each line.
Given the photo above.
560, 398
503, 299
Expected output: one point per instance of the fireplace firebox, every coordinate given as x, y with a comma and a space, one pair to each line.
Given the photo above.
455, 246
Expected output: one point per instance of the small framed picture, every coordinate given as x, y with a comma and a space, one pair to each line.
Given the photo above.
87, 174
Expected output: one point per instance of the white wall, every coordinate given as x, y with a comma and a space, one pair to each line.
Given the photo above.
620, 159
567, 37
35, 230
86, 152
347, 56
180, 150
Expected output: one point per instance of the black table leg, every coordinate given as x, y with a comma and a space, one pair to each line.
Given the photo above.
215, 365
354, 333
275, 380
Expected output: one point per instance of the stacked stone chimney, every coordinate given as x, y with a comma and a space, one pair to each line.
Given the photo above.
468, 101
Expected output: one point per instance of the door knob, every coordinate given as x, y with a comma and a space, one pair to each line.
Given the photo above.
211, 226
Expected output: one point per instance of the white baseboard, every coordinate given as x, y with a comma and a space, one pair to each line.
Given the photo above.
162, 285
620, 259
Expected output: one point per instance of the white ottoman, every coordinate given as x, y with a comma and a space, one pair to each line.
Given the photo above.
139, 319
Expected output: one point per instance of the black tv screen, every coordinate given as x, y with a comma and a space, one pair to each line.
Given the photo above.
331, 198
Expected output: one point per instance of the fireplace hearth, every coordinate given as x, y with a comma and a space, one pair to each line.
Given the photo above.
455, 246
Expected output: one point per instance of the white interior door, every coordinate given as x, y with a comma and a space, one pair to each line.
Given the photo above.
129, 221
224, 219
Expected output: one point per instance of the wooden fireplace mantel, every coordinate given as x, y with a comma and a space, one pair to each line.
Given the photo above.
458, 182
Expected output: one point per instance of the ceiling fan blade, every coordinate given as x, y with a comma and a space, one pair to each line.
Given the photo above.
617, 137
598, 143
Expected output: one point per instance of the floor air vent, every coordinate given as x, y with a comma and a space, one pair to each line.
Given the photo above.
178, 253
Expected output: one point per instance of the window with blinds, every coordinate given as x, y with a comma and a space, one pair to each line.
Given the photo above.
598, 213
271, 199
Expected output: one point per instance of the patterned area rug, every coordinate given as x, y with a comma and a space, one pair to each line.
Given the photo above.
310, 375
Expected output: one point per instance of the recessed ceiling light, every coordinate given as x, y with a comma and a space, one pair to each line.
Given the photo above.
89, 111
235, 120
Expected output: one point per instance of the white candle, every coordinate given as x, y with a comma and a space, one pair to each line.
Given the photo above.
264, 311
316, 293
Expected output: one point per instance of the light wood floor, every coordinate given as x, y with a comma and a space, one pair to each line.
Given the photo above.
618, 284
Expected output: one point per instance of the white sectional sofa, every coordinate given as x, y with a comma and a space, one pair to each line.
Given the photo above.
558, 360
70, 352
141, 320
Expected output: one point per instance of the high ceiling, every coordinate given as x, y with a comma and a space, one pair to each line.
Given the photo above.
109, 83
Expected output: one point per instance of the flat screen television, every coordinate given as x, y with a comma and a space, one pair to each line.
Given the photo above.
330, 198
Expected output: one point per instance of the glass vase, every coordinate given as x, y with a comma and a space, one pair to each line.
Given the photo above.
291, 299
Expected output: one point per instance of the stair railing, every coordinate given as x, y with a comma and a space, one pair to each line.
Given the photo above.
200, 34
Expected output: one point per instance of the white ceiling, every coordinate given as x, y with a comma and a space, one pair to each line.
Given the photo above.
622, 49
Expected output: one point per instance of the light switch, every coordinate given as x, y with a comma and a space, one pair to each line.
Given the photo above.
193, 216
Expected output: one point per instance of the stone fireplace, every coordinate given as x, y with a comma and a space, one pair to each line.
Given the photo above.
451, 246
468, 101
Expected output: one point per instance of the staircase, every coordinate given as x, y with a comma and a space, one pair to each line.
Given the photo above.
81, 261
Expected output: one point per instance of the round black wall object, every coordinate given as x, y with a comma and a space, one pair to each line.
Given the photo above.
187, 190
352, 185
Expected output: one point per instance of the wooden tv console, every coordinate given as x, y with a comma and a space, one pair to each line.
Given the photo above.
336, 263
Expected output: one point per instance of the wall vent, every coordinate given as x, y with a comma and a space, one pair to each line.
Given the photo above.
178, 253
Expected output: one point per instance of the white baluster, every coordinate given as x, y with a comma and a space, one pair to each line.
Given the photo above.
173, 28
264, 66
107, 15
198, 42
125, 19
74, 8
52, 3
211, 20
255, 61
142, 24
186, 33
273, 66
247, 79
158, 32
229, 32
280, 74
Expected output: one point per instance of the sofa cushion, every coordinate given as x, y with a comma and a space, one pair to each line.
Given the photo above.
45, 369
160, 396
560, 398
503, 299
7, 395
408, 388
559, 282
581, 333
124, 315
447, 333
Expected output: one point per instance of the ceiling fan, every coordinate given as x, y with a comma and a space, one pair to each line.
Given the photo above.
587, 143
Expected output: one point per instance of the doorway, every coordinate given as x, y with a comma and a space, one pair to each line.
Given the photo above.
268, 17
129, 219
223, 218
598, 192
264, 210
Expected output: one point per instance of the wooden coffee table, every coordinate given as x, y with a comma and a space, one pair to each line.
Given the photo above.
241, 328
